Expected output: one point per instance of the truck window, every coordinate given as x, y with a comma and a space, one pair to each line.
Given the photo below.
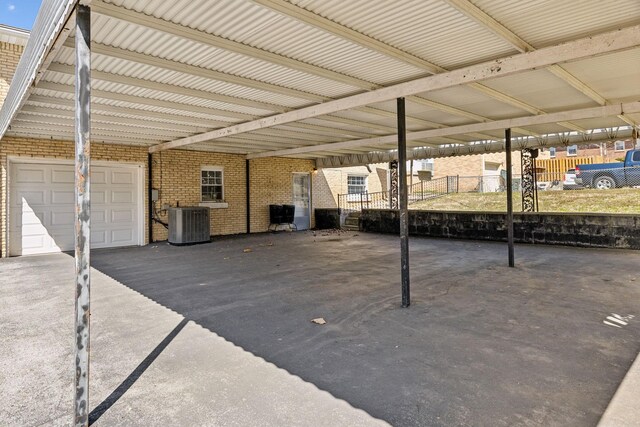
636, 156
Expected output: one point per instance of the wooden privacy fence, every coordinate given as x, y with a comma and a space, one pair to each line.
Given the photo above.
554, 169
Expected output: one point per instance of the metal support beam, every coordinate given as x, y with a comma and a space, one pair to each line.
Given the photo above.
150, 194
573, 50
404, 201
507, 145
83, 212
584, 113
247, 178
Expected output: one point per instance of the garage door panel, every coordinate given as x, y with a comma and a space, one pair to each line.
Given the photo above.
62, 240
122, 177
62, 197
30, 243
42, 200
62, 218
62, 176
122, 196
30, 217
122, 215
98, 177
30, 175
29, 198
97, 216
122, 237
98, 196
98, 238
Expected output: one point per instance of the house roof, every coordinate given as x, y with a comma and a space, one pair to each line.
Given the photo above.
291, 78
13, 35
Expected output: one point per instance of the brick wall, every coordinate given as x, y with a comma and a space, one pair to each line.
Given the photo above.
333, 181
10, 54
176, 173
37, 148
584, 230
272, 183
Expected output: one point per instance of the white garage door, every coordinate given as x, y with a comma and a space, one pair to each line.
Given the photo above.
41, 200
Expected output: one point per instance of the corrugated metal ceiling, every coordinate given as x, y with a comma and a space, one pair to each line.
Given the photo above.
371, 42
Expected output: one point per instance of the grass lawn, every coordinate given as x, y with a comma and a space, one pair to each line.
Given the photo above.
621, 200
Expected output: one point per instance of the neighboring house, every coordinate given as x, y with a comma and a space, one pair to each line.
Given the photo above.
611, 151
477, 172
331, 182
37, 184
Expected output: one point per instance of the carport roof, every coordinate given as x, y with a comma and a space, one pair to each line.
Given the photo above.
261, 77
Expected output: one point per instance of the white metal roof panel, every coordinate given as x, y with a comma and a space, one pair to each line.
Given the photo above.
615, 76
542, 89
429, 29
548, 22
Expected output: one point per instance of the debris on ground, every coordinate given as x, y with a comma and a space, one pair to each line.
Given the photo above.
247, 250
319, 321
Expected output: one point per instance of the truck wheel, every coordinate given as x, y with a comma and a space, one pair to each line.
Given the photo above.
604, 183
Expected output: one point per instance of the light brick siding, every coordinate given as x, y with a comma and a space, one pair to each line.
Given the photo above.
37, 148
272, 183
176, 173
9, 57
331, 182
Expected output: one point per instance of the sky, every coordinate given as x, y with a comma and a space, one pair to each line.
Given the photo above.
19, 13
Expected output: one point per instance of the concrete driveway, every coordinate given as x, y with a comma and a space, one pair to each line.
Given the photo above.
221, 334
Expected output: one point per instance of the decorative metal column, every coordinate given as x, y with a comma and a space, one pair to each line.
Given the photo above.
393, 184
507, 147
403, 203
83, 212
529, 180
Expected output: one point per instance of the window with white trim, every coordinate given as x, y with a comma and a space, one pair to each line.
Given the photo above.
212, 184
356, 184
572, 150
552, 152
619, 146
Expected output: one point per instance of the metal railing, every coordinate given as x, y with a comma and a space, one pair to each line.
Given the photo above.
423, 190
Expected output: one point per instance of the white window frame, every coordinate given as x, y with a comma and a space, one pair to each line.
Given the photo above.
615, 146
552, 152
569, 154
358, 196
364, 180
213, 204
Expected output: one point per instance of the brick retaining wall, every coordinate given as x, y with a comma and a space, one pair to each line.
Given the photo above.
586, 230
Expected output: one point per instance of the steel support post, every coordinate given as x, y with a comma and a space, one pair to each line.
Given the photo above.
404, 202
247, 177
393, 184
83, 211
507, 147
150, 194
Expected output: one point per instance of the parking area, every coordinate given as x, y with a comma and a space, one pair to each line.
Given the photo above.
221, 333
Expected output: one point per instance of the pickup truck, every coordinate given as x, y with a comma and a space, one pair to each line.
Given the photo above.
605, 176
